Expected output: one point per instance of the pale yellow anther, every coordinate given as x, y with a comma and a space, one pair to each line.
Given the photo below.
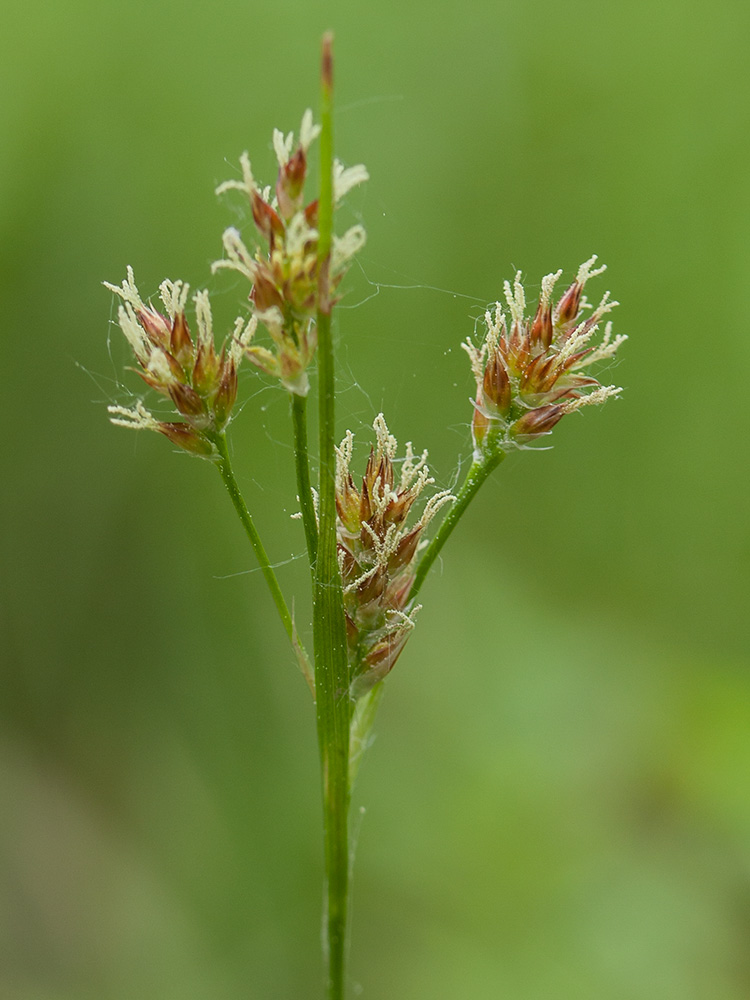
346, 246
576, 341
604, 307
158, 366
308, 131
344, 453
243, 333
134, 334
402, 620
476, 356
516, 299
238, 257
412, 467
433, 505
282, 146
548, 284
587, 270
174, 296
346, 178
204, 319
386, 442
599, 395
247, 184
127, 291
605, 350
138, 417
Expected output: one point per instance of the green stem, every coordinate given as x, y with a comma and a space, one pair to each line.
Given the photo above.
302, 463
476, 475
225, 468
329, 628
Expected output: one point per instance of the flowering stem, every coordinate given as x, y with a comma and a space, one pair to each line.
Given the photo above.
302, 463
333, 704
479, 471
225, 468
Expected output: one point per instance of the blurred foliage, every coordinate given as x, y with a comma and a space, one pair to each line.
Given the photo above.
558, 796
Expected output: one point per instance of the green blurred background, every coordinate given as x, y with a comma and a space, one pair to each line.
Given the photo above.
557, 804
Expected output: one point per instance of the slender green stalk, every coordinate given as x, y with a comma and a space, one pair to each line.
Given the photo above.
476, 475
329, 629
224, 466
302, 464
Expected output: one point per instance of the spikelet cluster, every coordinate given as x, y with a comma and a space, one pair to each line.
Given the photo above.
530, 372
377, 548
201, 383
285, 276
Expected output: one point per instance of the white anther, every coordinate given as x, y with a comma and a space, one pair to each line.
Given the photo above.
587, 270
308, 131
138, 417
346, 178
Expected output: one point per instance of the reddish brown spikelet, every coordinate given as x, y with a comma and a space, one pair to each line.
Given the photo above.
187, 400
371, 589
290, 184
480, 424
541, 329
398, 509
227, 392
157, 327
181, 346
267, 221
365, 507
348, 504
537, 422
569, 304
206, 368
265, 294
186, 437
407, 549
398, 592
496, 384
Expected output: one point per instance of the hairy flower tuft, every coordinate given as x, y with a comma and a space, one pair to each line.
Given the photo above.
285, 277
377, 548
201, 383
533, 374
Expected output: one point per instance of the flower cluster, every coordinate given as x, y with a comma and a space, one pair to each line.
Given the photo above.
285, 278
201, 383
528, 378
377, 551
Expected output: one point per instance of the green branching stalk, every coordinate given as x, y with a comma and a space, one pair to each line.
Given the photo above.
224, 466
329, 629
302, 464
479, 471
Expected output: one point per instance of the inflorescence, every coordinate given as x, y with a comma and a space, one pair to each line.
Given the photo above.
378, 549
285, 279
283, 298
529, 376
201, 383
530, 372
